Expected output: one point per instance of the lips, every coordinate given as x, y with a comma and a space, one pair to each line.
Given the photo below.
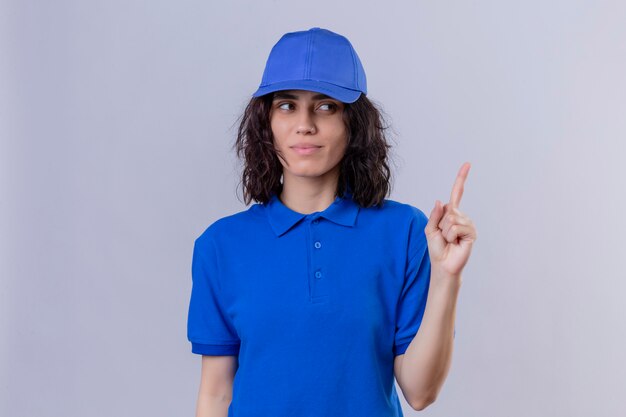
305, 146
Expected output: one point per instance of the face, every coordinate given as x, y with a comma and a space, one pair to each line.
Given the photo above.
309, 132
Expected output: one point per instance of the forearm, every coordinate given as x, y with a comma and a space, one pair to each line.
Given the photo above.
212, 406
427, 360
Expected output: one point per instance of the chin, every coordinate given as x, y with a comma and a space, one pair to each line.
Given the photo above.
307, 172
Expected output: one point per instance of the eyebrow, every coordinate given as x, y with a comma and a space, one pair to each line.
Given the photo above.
281, 95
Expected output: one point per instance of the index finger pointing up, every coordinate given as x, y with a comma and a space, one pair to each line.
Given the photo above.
457, 188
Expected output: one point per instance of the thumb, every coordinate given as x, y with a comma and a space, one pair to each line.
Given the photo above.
435, 217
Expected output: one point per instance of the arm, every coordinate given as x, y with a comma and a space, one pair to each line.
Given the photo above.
423, 368
450, 235
216, 385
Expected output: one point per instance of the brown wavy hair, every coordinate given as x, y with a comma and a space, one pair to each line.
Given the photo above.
364, 167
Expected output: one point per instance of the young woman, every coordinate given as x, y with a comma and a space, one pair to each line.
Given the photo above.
309, 302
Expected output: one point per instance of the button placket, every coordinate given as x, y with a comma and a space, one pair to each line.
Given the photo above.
319, 284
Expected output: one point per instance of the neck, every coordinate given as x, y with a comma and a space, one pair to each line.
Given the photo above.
308, 195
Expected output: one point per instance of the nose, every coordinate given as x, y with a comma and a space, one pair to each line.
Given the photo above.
305, 123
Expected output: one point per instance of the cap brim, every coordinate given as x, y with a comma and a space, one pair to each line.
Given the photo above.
345, 95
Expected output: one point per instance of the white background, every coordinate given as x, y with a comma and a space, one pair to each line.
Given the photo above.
116, 125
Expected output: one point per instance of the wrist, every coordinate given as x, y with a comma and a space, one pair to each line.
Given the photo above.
444, 281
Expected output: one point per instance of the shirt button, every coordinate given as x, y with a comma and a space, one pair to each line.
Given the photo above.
316, 221
318, 245
318, 274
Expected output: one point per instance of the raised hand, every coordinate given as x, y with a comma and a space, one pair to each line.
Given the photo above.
449, 232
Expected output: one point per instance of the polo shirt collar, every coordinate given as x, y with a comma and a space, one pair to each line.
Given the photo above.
342, 211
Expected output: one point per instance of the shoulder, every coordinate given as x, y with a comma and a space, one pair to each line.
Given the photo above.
408, 225
241, 221
405, 213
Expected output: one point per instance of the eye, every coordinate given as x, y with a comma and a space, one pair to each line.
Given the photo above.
281, 106
331, 106
327, 107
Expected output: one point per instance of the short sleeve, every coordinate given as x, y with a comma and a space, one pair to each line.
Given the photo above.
412, 301
208, 328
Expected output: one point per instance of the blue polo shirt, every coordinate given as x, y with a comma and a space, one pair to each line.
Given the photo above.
316, 306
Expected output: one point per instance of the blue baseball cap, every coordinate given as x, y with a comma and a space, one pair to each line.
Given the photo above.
316, 60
